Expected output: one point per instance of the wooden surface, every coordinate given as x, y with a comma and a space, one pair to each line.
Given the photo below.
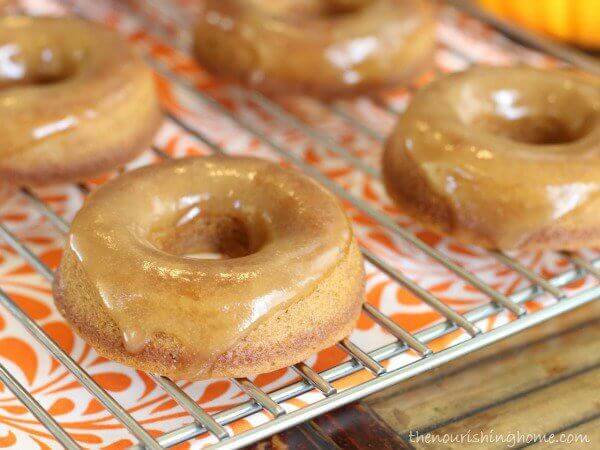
545, 380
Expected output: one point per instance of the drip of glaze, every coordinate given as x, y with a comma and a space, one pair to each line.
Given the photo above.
134, 339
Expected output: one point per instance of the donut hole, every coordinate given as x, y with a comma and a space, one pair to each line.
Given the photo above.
333, 8
210, 236
311, 8
539, 115
536, 130
43, 78
35, 68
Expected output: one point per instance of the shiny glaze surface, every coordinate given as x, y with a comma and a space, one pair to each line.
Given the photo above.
152, 279
511, 151
61, 79
327, 47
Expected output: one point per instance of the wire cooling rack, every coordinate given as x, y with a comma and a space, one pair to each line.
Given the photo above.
373, 361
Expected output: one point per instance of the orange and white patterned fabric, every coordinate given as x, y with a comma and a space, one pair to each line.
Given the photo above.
462, 41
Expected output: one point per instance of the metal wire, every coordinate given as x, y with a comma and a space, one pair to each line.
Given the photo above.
425, 295
314, 378
328, 142
349, 347
390, 378
259, 396
584, 265
355, 123
311, 379
385, 352
530, 275
54, 219
397, 330
36, 409
187, 403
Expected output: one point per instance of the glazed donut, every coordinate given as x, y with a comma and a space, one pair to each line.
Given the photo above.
137, 282
75, 100
502, 157
320, 47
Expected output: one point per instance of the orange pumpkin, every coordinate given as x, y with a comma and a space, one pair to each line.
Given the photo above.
574, 21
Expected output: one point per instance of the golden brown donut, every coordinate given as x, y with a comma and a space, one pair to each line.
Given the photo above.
75, 100
322, 47
502, 158
136, 282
